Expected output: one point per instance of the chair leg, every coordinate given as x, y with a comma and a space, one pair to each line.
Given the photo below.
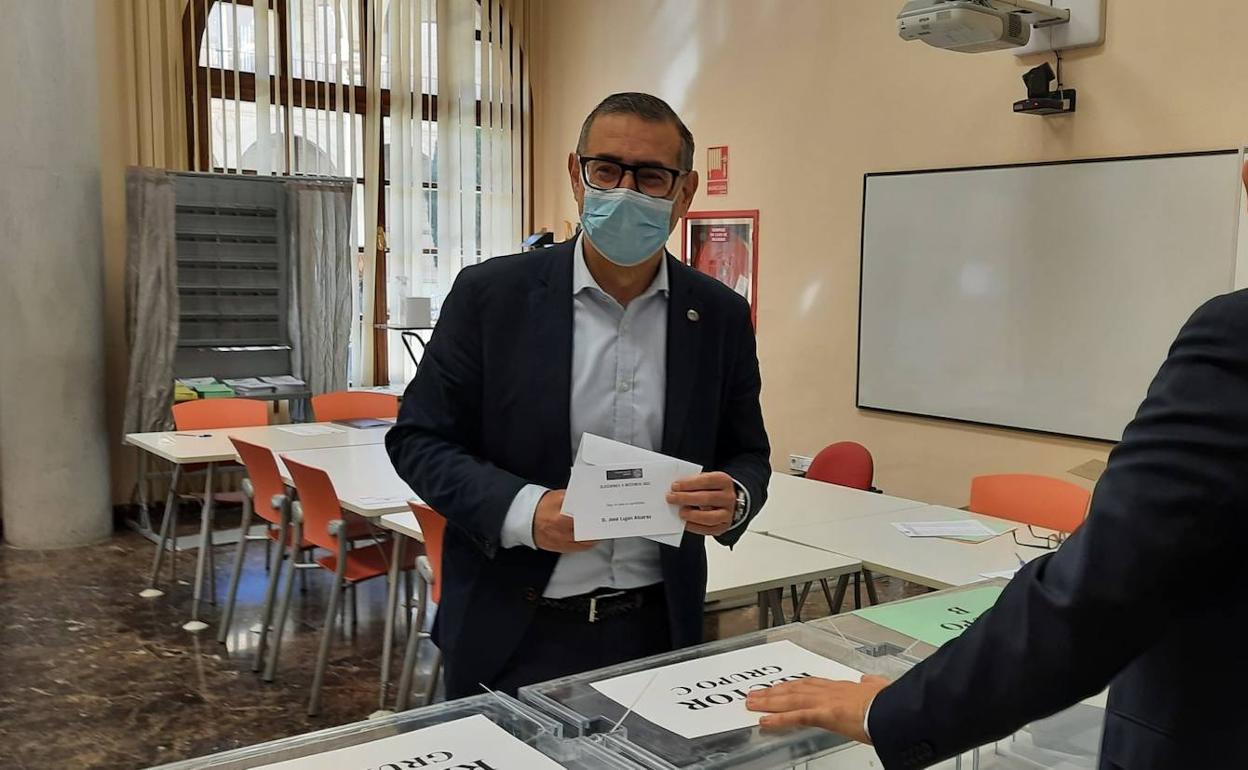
410, 651
835, 601
392, 602
166, 527
268, 552
270, 669
355, 617
205, 545
274, 568
327, 638
240, 553
211, 588
411, 595
303, 574
870, 581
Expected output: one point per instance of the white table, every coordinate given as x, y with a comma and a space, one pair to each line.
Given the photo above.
363, 477
764, 565
929, 561
210, 447
793, 501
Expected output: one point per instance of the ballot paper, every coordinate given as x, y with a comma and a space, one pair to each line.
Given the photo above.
472, 742
955, 528
707, 696
310, 429
618, 490
1006, 574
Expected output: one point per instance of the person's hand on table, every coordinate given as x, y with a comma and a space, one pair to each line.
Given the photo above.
840, 707
552, 531
707, 502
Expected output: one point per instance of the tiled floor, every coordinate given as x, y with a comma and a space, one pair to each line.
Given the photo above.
93, 676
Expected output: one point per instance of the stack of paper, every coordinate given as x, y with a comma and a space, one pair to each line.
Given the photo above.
286, 383
618, 490
208, 387
970, 530
250, 386
183, 392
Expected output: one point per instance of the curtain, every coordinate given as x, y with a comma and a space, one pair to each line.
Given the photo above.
151, 48
151, 299
318, 215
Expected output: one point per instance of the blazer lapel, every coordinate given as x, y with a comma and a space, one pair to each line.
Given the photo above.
684, 334
550, 349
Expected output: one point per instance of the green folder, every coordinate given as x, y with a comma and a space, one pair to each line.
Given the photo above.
935, 619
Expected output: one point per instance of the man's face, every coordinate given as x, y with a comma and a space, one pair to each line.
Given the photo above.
632, 140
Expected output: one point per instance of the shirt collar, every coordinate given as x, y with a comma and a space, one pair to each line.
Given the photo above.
582, 279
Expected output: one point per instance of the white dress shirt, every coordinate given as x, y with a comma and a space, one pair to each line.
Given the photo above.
619, 379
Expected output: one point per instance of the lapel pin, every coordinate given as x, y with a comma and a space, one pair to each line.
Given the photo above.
692, 315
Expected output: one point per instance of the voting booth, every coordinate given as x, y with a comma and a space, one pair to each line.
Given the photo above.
912, 629
688, 710
482, 731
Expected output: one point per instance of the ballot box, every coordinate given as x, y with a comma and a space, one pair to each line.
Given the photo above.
912, 629
687, 707
473, 732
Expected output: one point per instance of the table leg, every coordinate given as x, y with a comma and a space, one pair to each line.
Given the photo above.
392, 602
201, 562
777, 607
166, 530
145, 517
870, 581
763, 609
838, 598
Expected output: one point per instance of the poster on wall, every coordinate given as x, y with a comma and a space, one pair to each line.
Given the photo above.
724, 245
717, 170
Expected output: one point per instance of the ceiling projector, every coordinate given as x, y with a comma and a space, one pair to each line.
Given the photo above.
968, 26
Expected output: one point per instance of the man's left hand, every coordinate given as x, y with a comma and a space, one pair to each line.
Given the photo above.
840, 707
706, 501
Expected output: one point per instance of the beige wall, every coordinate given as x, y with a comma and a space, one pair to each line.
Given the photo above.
811, 94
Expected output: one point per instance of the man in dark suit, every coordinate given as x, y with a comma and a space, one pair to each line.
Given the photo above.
605, 334
1117, 603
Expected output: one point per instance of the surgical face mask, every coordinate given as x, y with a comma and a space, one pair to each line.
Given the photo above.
624, 225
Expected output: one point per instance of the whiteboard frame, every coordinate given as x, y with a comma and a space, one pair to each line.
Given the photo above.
1241, 151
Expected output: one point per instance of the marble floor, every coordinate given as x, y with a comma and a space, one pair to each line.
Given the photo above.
94, 676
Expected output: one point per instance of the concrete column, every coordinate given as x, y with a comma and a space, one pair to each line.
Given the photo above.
53, 445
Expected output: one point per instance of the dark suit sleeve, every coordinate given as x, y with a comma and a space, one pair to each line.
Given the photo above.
744, 451
1068, 623
433, 445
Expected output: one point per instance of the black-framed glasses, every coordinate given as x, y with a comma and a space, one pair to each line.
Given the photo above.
607, 174
1047, 542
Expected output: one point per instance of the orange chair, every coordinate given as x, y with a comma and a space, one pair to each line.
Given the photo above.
1037, 501
429, 566
320, 519
205, 414
350, 405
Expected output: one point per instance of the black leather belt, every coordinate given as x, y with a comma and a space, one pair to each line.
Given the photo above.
604, 603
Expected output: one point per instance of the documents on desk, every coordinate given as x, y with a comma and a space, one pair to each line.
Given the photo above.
706, 696
309, 429
472, 742
618, 490
958, 528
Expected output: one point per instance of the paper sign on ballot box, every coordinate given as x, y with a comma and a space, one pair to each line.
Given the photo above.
472, 743
707, 696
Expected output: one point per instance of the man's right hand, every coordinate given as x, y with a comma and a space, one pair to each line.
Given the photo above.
552, 531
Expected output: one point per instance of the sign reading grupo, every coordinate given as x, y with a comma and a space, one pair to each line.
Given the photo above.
707, 695
472, 743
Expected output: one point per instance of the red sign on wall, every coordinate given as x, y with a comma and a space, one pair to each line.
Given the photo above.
717, 170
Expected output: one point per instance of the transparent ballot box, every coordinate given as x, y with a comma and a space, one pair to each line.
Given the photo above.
1068, 739
584, 711
537, 730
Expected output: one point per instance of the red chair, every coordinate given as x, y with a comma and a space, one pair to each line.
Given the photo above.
350, 405
429, 567
846, 464
320, 519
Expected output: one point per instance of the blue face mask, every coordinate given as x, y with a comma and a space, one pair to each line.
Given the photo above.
625, 226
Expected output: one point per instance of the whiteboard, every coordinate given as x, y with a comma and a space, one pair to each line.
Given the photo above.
1041, 297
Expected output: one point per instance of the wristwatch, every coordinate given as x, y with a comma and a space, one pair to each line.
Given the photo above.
742, 507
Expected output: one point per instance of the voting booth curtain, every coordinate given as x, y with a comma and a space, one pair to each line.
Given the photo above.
151, 299
318, 215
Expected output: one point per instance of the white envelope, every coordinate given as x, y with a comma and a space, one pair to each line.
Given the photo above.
584, 494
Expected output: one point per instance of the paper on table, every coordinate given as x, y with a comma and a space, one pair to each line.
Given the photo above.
309, 430
1007, 574
598, 451
955, 528
934, 619
384, 500
473, 741
707, 695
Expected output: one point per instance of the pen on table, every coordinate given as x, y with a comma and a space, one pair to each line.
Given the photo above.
1021, 563
194, 435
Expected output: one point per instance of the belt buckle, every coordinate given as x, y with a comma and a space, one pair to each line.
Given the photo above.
593, 604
